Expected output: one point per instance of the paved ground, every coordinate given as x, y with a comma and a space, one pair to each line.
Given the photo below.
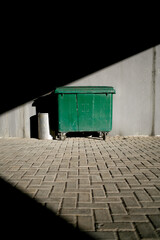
111, 189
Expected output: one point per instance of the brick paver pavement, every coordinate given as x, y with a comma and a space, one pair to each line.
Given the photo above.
109, 188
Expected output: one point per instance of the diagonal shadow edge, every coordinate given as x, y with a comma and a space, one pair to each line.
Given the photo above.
22, 216
25, 81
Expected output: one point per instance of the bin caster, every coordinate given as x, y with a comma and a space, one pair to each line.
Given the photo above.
104, 135
62, 136
100, 134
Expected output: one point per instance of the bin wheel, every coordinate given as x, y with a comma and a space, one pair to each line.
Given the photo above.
100, 134
62, 136
104, 136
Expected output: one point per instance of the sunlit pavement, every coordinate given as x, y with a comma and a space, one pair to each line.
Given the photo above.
108, 188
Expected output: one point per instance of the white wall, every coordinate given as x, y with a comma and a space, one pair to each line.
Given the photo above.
136, 103
157, 92
16, 122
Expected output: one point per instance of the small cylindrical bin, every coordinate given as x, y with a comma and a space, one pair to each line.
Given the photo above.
43, 126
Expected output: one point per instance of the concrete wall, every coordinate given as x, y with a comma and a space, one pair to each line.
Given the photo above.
16, 122
137, 83
135, 105
157, 91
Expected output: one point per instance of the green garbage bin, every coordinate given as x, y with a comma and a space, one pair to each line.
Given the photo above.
84, 109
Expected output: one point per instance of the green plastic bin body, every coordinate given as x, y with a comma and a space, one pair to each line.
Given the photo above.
82, 109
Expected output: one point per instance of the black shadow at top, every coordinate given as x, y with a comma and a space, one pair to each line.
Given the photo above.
25, 218
36, 59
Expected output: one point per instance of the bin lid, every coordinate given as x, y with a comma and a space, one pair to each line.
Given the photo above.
86, 89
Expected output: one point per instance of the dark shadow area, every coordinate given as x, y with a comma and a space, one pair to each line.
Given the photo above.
23, 217
33, 73
83, 134
34, 126
39, 57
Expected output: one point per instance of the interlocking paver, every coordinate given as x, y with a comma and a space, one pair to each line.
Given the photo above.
130, 218
84, 197
86, 223
102, 215
146, 230
143, 196
103, 235
117, 209
127, 235
98, 193
121, 226
69, 203
131, 202
111, 187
